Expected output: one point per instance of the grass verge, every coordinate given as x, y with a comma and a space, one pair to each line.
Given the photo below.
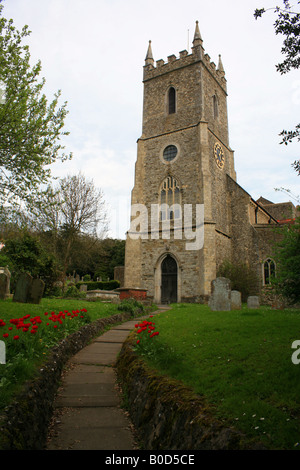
239, 360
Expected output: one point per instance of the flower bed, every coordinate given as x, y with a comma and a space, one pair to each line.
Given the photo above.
17, 328
24, 423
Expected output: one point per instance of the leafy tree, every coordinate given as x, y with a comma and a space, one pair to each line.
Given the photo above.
26, 254
111, 254
287, 257
96, 257
30, 127
287, 280
242, 278
84, 255
287, 24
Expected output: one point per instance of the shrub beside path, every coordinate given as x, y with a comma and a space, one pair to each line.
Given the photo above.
87, 413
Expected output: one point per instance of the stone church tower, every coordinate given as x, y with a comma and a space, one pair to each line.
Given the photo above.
185, 163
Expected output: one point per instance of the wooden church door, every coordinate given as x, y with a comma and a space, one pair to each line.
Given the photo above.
168, 280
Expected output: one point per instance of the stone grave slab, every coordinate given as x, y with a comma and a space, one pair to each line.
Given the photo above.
220, 299
36, 291
236, 300
22, 288
253, 301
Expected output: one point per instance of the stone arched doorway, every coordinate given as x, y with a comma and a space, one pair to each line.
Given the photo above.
169, 281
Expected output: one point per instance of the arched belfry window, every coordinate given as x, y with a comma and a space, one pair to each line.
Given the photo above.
170, 199
269, 271
172, 100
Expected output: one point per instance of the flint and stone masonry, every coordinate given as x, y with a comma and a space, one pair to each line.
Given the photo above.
184, 157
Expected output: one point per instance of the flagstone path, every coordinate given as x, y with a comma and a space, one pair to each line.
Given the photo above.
87, 411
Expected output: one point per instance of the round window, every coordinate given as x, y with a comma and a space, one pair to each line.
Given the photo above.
170, 153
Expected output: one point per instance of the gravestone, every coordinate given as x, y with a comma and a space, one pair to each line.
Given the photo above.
236, 300
83, 288
4, 286
253, 301
4, 283
221, 295
36, 291
22, 288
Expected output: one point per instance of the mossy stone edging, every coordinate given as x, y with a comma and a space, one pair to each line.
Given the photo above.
24, 423
166, 414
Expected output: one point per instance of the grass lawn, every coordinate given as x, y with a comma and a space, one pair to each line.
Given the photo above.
240, 361
26, 348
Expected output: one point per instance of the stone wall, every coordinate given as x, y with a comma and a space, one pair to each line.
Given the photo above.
167, 415
248, 243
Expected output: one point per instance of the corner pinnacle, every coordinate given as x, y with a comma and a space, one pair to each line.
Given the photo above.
149, 57
197, 36
220, 65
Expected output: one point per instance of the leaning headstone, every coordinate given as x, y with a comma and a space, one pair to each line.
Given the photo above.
253, 301
22, 288
221, 294
236, 300
36, 291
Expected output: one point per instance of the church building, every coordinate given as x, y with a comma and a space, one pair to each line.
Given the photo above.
189, 214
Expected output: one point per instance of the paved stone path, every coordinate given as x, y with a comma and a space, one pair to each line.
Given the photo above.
87, 412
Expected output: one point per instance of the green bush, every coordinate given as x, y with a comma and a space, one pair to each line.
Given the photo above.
287, 257
132, 306
242, 278
101, 285
74, 293
54, 292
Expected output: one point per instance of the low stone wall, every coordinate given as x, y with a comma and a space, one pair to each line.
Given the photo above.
167, 415
24, 424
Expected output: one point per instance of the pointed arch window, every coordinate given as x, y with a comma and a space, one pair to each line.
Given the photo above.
170, 199
172, 100
269, 271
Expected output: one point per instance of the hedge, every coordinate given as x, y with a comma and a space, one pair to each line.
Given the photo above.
101, 285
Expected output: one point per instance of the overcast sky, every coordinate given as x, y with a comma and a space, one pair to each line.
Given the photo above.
94, 51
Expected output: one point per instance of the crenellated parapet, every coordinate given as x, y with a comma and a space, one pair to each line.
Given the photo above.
153, 69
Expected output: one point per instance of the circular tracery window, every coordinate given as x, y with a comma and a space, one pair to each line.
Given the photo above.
170, 153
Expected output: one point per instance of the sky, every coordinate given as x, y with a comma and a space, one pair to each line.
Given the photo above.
94, 52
